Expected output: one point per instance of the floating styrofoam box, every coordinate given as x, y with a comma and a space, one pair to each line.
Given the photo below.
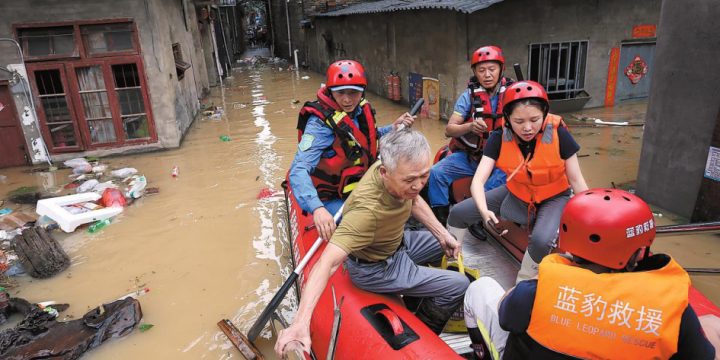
53, 208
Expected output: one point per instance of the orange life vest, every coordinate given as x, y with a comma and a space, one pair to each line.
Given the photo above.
631, 315
481, 108
541, 177
355, 146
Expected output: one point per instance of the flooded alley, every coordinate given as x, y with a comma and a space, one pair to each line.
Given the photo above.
212, 243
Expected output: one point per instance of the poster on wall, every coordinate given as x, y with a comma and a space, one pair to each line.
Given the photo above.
431, 93
415, 87
712, 166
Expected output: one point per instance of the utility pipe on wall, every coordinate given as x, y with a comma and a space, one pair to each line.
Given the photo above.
287, 16
296, 59
28, 93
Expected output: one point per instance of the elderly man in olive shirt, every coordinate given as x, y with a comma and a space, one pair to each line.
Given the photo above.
379, 254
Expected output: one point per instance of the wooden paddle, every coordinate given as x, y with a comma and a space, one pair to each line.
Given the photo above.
280, 295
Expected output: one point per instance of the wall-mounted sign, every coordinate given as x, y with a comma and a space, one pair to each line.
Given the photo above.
636, 70
642, 31
431, 93
712, 166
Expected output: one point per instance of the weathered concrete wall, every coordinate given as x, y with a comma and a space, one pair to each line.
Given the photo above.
683, 105
160, 24
384, 44
280, 28
438, 43
514, 24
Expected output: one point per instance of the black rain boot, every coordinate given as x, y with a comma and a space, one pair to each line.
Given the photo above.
412, 303
442, 213
435, 317
477, 231
479, 346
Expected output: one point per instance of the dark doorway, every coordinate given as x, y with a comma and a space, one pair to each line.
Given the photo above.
12, 142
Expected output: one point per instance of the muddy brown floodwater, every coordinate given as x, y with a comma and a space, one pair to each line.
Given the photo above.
208, 248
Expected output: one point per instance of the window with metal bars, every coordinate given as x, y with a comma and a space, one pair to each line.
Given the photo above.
559, 67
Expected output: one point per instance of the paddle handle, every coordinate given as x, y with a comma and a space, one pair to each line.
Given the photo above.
417, 106
713, 226
413, 111
280, 295
518, 72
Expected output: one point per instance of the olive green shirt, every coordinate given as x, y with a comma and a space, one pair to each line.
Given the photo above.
373, 221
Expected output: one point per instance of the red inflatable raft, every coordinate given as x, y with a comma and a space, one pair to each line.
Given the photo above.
372, 326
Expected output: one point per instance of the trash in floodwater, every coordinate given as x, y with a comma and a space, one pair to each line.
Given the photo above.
136, 187
123, 173
266, 193
55, 208
5, 211
613, 123
305, 77
99, 225
175, 171
225, 138
145, 327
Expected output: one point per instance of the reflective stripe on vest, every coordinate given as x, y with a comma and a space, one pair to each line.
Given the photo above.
494, 354
541, 177
600, 316
355, 151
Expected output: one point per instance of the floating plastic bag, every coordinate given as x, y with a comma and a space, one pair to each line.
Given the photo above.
124, 172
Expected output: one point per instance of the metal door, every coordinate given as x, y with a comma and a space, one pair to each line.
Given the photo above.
636, 65
12, 142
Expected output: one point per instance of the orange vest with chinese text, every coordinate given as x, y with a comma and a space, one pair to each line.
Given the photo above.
541, 177
632, 315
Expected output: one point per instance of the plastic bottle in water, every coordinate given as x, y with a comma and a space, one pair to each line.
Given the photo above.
98, 225
175, 171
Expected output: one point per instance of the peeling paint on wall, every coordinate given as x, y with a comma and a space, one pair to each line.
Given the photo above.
38, 150
27, 116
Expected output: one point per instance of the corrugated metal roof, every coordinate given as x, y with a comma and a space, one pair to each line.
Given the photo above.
465, 6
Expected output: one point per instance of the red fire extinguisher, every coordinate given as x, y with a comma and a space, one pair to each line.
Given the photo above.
396, 95
388, 86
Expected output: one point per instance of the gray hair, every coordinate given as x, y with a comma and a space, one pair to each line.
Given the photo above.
403, 145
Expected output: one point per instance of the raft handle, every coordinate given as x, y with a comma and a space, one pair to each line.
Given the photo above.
391, 327
393, 319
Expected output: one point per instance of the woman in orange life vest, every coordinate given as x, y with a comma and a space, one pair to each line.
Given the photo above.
338, 142
539, 156
601, 303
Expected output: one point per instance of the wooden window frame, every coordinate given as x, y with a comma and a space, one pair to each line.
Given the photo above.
106, 65
45, 127
80, 51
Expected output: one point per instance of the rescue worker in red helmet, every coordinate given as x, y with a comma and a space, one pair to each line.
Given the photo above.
337, 143
478, 110
608, 300
539, 156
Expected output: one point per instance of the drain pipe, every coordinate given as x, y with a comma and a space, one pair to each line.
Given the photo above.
296, 60
28, 93
287, 16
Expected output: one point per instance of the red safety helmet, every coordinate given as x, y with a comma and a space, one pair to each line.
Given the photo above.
606, 226
524, 90
488, 53
347, 74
